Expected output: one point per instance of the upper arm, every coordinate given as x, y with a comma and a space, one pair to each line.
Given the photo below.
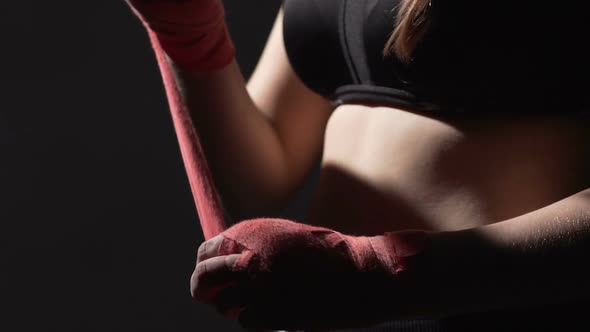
298, 114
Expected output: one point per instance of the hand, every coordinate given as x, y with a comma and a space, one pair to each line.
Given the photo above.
214, 275
278, 274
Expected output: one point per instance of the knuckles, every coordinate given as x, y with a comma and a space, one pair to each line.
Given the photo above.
201, 252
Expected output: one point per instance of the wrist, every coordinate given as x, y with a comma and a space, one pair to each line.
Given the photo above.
193, 34
401, 248
417, 288
400, 266
207, 52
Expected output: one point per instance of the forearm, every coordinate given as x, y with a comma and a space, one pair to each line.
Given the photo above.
345, 280
242, 147
222, 134
537, 258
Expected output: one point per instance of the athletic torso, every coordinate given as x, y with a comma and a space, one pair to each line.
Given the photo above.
489, 120
386, 169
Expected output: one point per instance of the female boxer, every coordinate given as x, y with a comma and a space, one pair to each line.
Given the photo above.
453, 145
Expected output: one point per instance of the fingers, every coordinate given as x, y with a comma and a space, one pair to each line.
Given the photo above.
212, 275
209, 249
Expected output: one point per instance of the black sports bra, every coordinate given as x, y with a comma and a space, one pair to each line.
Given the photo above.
475, 57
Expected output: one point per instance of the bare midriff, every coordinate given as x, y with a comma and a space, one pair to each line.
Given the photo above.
386, 169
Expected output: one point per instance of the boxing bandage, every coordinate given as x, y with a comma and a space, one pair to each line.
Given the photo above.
193, 33
303, 276
203, 188
299, 276
263, 241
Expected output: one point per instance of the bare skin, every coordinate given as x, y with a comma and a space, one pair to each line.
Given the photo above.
421, 170
444, 172
415, 171
484, 185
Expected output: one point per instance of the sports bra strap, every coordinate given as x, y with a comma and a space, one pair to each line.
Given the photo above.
352, 16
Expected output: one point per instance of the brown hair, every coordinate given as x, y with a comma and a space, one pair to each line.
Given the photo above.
412, 23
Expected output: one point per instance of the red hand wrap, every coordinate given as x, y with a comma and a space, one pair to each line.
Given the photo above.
192, 33
201, 181
317, 270
304, 276
261, 240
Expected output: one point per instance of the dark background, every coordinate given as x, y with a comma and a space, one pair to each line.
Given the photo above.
99, 229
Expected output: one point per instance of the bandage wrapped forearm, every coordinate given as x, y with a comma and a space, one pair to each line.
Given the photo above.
193, 33
301, 276
203, 188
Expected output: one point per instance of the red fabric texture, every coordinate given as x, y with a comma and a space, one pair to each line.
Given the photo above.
266, 242
192, 33
202, 186
300, 276
308, 277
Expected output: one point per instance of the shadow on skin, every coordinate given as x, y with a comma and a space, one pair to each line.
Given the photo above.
351, 206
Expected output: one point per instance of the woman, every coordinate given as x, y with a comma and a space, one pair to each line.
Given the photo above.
453, 150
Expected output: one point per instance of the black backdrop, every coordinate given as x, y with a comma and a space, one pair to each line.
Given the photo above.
98, 227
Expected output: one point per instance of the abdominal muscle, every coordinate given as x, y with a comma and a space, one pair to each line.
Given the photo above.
386, 169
